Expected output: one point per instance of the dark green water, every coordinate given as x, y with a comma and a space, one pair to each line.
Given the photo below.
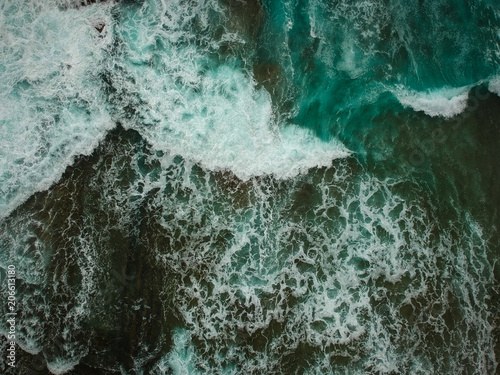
251, 187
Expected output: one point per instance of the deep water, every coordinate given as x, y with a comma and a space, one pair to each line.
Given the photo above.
251, 187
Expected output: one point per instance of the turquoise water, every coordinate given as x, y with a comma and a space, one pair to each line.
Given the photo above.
251, 187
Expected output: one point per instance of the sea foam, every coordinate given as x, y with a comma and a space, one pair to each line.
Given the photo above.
53, 109
444, 103
213, 115
494, 85
231, 125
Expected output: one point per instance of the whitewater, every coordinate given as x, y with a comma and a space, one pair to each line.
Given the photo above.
251, 186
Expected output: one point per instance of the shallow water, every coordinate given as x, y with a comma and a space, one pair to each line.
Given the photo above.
250, 187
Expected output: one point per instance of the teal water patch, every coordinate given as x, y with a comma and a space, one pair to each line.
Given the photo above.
342, 57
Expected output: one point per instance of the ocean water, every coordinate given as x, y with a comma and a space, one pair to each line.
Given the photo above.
251, 186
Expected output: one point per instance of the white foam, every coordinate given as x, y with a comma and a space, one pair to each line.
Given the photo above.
444, 103
306, 275
52, 105
61, 366
215, 116
337, 275
182, 358
494, 85
238, 133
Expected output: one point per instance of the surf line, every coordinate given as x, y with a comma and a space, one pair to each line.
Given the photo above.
11, 315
